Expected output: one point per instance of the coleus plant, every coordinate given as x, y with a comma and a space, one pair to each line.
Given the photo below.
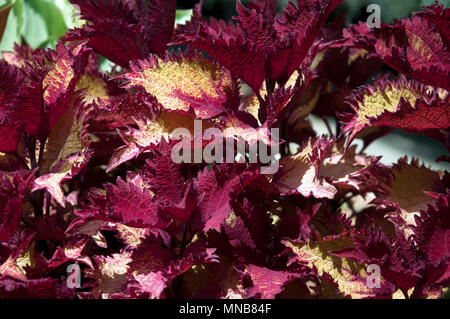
87, 178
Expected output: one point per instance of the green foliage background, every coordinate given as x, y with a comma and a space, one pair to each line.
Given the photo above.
39, 22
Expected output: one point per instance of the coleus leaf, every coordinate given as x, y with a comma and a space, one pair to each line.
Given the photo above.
112, 33
394, 255
347, 68
63, 171
148, 268
299, 173
70, 252
60, 79
275, 106
16, 243
268, 283
248, 223
328, 222
132, 29
220, 280
13, 188
11, 82
413, 46
440, 17
235, 128
128, 203
339, 72
150, 132
153, 267
47, 91
273, 235
163, 177
118, 112
297, 30
257, 27
404, 104
267, 7
432, 231
350, 277
158, 17
110, 275
45, 288
92, 10
50, 91
238, 234
260, 40
90, 228
19, 257
228, 47
132, 236
67, 138
297, 225
328, 288
215, 188
20, 55
185, 83
347, 169
65, 154
95, 88
408, 187
145, 271
266, 109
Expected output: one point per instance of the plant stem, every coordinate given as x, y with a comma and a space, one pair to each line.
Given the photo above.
41, 152
20, 159
30, 142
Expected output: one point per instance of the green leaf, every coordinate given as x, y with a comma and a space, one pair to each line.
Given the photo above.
44, 22
5, 3
69, 13
39, 22
105, 64
5, 6
183, 16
